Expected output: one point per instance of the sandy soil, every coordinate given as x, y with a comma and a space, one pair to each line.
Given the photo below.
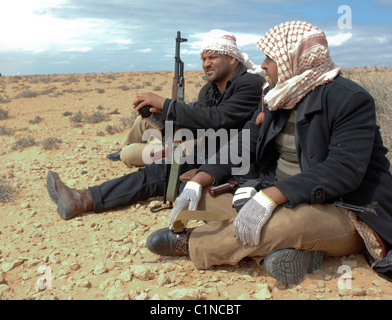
103, 256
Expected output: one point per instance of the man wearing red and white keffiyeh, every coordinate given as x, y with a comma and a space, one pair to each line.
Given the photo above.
319, 156
301, 53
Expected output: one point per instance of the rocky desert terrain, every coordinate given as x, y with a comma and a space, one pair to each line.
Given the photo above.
68, 124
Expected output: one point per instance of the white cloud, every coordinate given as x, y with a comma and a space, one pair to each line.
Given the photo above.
120, 41
187, 52
245, 39
144, 50
338, 39
78, 49
31, 27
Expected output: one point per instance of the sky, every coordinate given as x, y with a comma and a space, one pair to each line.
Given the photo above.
94, 36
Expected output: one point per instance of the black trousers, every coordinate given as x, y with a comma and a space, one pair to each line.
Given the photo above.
148, 182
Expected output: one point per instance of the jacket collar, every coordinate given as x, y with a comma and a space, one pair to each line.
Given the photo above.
310, 103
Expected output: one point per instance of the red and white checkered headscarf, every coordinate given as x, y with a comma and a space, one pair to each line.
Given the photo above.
225, 42
301, 53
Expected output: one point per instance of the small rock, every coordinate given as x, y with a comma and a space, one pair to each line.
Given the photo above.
374, 292
244, 296
351, 263
125, 276
378, 282
359, 291
100, 268
8, 266
248, 278
355, 291
263, 292
141, 272
83, 283
158, 296
74, 266
184, 294
76, 224
142, 296
117, 294
163, 279
25, 205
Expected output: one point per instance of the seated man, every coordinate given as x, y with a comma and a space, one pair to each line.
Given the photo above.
326, 181
210, 94
228, 101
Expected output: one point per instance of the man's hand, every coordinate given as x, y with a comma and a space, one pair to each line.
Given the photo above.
189, 198
149, 99
252, 217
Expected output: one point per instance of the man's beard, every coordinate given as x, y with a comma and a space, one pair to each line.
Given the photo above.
215, 77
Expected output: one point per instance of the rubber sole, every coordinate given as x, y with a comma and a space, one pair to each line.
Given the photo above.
62, 208
290, 265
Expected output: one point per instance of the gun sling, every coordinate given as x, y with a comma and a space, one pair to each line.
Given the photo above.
186, 215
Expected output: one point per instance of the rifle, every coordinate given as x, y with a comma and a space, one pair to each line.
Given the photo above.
178, 87
178, 80
178, 94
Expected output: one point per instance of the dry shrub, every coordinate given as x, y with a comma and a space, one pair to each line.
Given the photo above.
3, 114
6, 192
378, 82
36, 120
97, 117
4, 131
27, 94
24, 143
125, 123
92, 118
77, 117
51, 143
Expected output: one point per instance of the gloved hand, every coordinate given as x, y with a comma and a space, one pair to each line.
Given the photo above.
241, 196
189, 197
252, 217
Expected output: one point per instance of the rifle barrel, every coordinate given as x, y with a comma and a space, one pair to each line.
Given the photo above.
179, 65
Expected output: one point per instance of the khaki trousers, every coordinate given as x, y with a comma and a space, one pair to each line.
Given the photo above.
307, 227
134, 145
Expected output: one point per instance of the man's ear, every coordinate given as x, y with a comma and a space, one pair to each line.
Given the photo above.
233, 61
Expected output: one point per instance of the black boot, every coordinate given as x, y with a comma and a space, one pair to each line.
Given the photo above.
165, 242
70, 202
291, 265
114, 156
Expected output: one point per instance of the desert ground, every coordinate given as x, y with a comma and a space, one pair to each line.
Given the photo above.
68, 124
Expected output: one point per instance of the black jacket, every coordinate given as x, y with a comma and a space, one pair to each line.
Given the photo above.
232, 110
340, 151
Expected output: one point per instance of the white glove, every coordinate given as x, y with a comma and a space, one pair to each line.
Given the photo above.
242, 194
252, 217
189, 197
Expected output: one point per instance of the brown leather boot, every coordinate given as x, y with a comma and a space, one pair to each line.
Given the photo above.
70, 202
